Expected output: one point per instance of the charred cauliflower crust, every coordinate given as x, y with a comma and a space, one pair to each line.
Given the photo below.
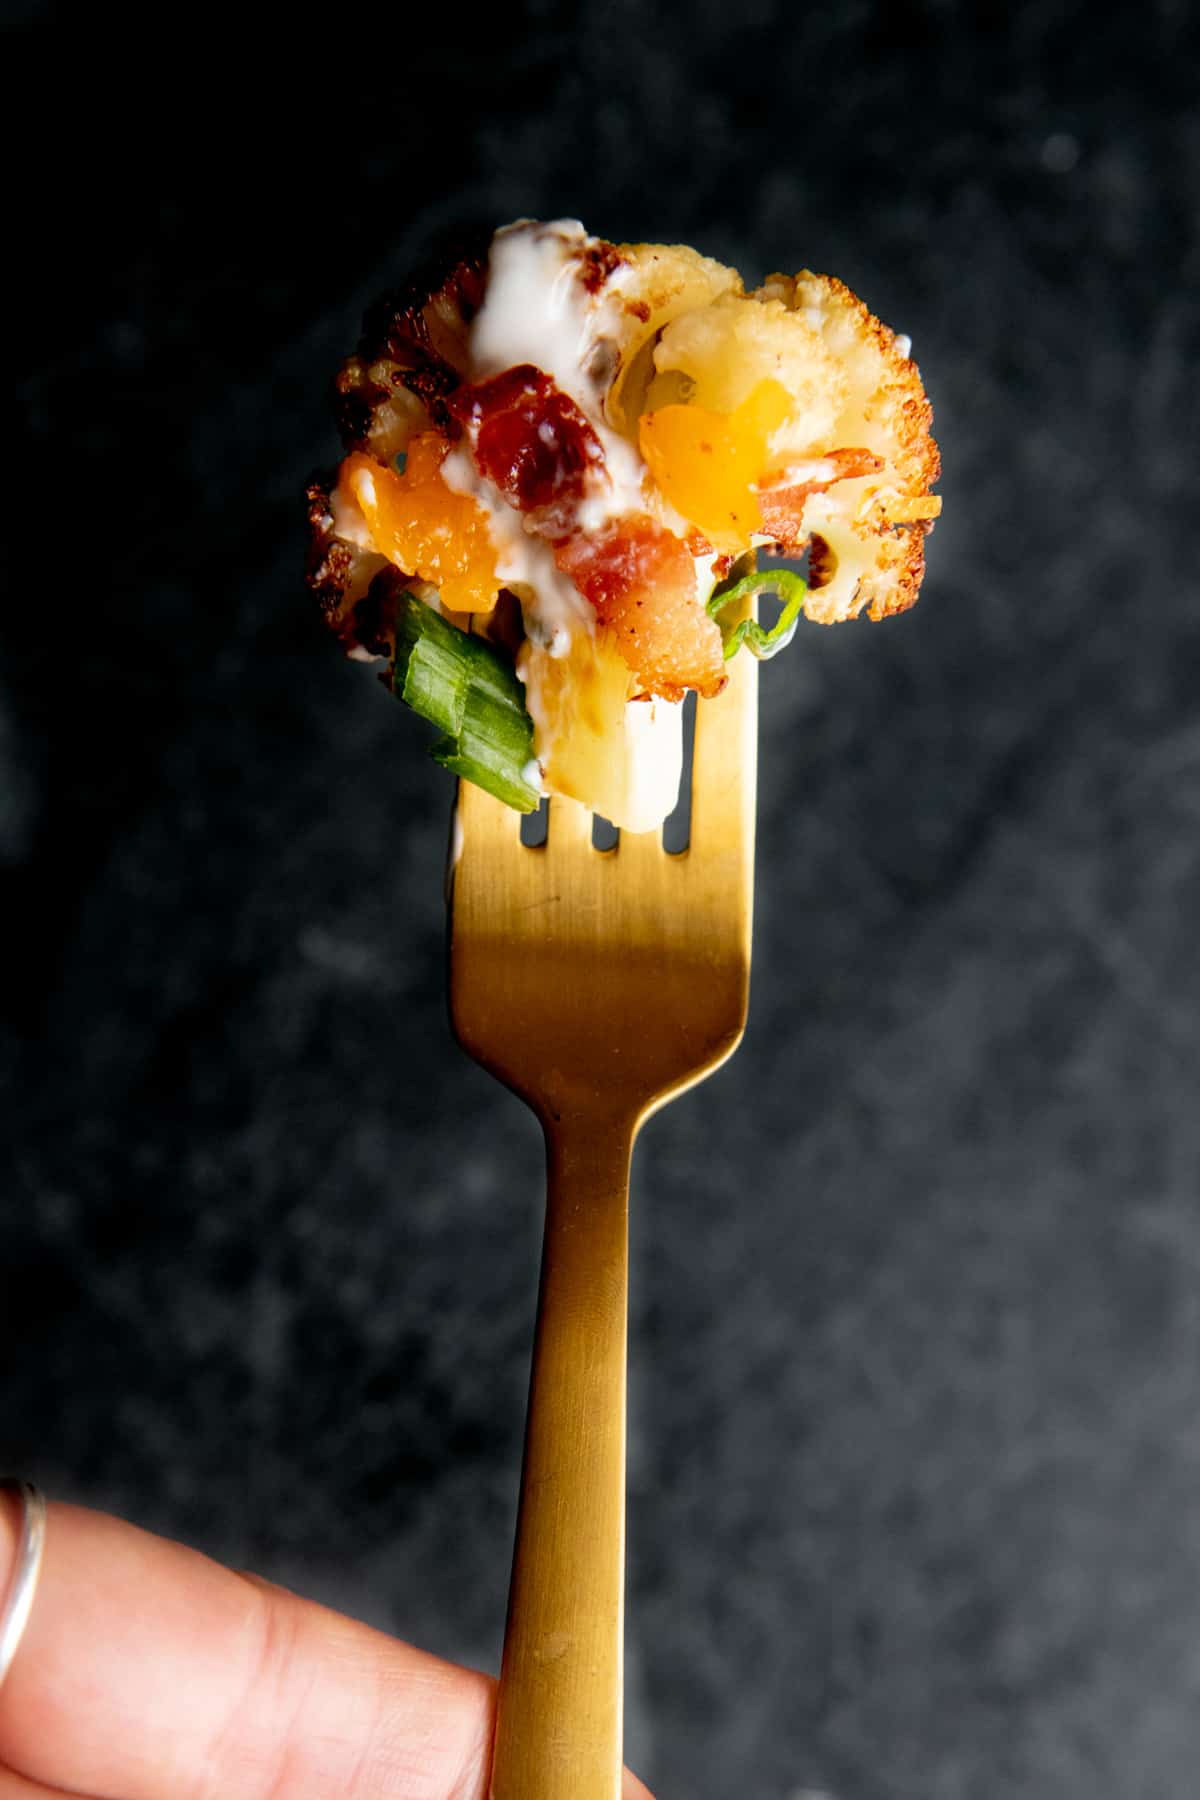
866, 536
338, 572
412, 354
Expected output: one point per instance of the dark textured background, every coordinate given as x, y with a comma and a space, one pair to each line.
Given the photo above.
915, 1470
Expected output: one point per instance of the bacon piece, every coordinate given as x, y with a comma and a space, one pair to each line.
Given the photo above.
598, 261
781, 496
533, 442
641, 581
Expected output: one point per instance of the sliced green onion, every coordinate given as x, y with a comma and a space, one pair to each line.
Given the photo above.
758, 639
471, 692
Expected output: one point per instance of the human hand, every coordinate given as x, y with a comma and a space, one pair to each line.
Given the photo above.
149, 1672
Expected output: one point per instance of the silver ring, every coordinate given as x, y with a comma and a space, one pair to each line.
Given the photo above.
18, 1602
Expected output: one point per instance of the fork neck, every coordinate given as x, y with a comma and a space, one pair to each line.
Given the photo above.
588, 1157
589, 1142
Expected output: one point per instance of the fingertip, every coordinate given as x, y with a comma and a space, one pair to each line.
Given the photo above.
633, 1789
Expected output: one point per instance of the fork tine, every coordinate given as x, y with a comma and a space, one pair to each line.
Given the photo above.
568, 824
640, 853
483, 825
723, 764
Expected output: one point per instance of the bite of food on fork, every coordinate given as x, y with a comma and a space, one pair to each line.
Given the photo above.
563, 460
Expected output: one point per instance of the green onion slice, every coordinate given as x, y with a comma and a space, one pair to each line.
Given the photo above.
470, 692
761, 642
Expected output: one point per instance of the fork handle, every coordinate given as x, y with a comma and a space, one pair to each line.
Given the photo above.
559, 1711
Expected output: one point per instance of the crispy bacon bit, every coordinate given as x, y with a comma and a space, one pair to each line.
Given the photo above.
533, 442
641, 581
597, 262
781, 496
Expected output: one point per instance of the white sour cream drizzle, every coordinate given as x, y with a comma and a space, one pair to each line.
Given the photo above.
536, 308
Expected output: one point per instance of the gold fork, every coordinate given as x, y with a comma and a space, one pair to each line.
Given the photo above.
597, 985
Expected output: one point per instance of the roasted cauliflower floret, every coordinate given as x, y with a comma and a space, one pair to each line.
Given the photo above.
791, 417
655, 283
561, 457
717, 356
866, 532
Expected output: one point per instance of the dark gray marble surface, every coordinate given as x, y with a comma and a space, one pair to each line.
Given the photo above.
915, 1459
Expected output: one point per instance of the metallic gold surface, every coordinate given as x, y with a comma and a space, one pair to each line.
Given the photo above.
597, 985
